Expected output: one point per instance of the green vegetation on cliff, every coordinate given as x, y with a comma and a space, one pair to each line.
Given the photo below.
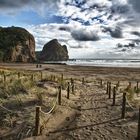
15, 44
54, 51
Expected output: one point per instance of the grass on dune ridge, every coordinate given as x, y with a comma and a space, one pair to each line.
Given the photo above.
20, 92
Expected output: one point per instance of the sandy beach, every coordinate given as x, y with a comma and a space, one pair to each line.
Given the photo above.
88, 113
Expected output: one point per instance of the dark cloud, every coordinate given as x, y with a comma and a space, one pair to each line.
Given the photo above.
12, 4
125, 47
136, 12
83, 35
133, 44
135, 41
117, 33
114, 32
136, 33
64, 28
17, 5
120, 9
130, 45
136, 5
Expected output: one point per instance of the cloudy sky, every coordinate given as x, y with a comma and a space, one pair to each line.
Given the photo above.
90, 28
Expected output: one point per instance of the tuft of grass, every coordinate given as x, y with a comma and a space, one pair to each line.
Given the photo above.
19, 101
3, 94
28, 84
63, 84
130, 93
39, 97
16, 88
9, 120
137, 90
39, 94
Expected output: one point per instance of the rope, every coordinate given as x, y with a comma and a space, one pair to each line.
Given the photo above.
125, 125
6, 109
54, 105
44, 121
129, 104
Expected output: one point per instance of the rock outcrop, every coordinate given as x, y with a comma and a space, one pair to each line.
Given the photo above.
54, 51
16, 45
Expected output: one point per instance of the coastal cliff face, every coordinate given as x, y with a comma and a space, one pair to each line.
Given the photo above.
16, 45
54, 51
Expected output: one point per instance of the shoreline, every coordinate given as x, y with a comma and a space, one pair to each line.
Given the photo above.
64, 64
119, 73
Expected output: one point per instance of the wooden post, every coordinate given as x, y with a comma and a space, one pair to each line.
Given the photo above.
18, 75
137, 86
68, 91
138, 133
114, 96
59, 95
61, 77
129, 84
4, 78
109, 90
101, 82
41, 75
123, 106
32, 77
37, 121
72, 88
107, 87
54, 78
83, 80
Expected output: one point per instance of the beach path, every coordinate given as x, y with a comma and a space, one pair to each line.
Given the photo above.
94, 119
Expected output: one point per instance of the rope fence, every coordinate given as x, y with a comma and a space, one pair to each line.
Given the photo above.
40, 122
42, 117
51, 110
43, 114
125, 101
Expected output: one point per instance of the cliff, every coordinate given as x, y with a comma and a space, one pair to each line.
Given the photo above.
16, 45
54, 51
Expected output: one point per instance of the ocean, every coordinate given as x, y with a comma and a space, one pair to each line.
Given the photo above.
101, 62
106, 62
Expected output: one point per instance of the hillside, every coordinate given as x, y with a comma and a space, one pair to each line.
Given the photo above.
54, 51
16, 45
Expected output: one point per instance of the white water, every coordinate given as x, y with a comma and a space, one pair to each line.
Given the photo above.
103, 62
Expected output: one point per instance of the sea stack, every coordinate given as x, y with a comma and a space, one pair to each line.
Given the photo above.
54, 51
